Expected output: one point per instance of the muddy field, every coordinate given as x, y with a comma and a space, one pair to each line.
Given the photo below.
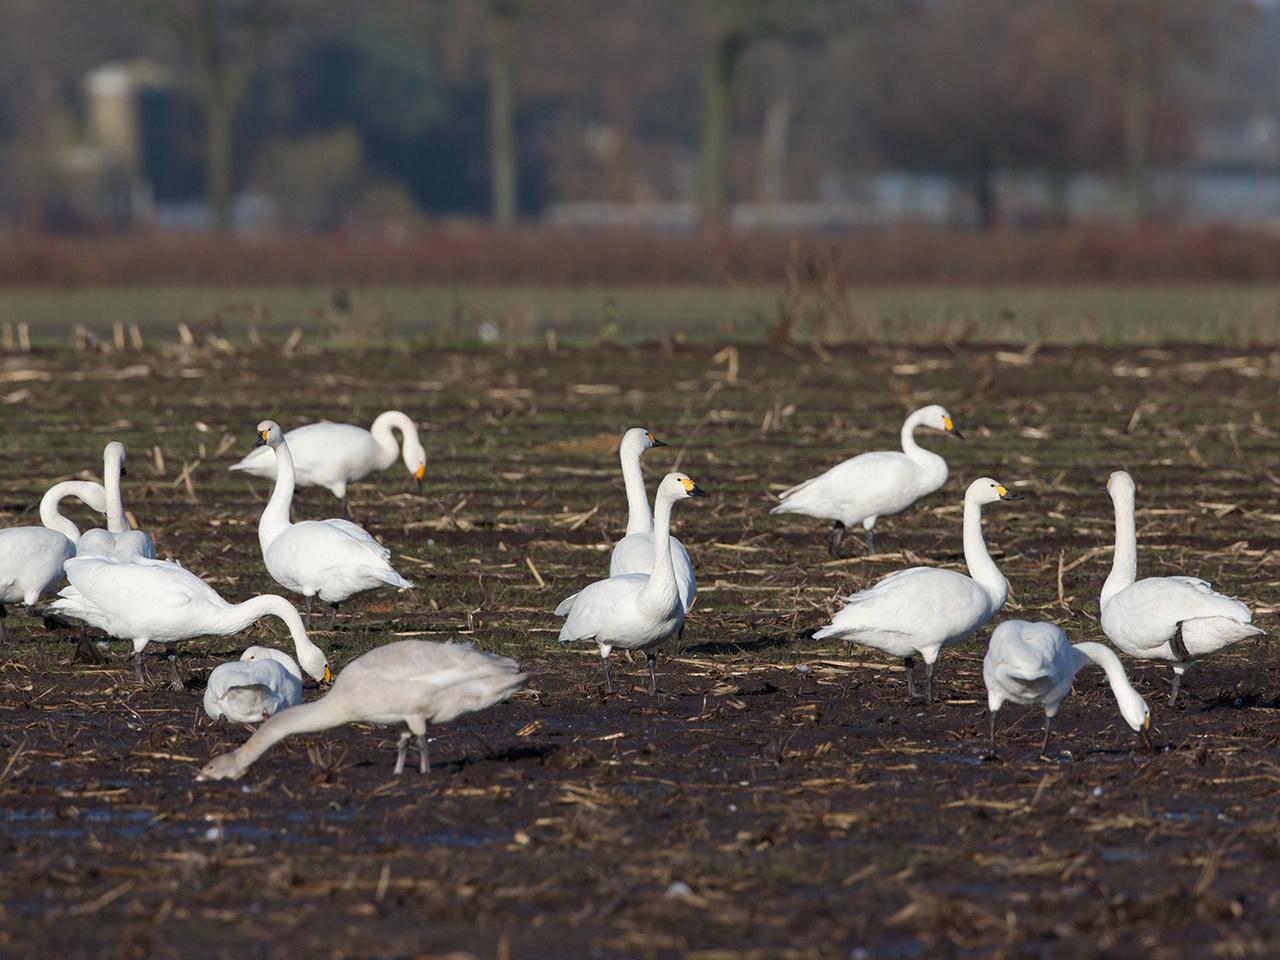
778, 797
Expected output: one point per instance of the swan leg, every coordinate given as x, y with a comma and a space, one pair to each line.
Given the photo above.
4, 631
137, 667
424, 762
402, 748
991, 750
1044, 744
86, 652
171, 654
333, 614
608, 680
928, 684
834, 539
871, 540
652, 658
346, 510
1173, 690
910, 664
306, 620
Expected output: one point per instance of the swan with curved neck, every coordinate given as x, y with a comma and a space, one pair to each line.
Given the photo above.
331, 559
93, 495
921, 610
156, 601
333, 455
636, 611
1035, 664
412, 682
119, 539
873, 485
1177, 620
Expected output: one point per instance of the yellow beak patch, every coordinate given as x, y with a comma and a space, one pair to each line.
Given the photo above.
265, 434
328, 676
1146, 721
421, 471
946, 423
688, 485
1001, 490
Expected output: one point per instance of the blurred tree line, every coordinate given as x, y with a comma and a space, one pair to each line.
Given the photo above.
396, 109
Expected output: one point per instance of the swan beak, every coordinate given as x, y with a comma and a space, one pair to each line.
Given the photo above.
697, 491
328, 675
1147, 736
1008, 494
654, 441
950, 428
123, 471
261, 440
419, 474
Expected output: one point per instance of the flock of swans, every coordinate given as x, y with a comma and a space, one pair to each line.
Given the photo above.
115, 584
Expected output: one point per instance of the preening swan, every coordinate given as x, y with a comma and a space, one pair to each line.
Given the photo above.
1174, 619
156, 601
413, 682
260, 684
91, 494
332, 455
332, 559
636, 611
118, 540
920, 610
1034, 663
873, 485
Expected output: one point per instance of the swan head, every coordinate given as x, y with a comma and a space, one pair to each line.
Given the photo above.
678, 486
1120, 485
936, 417
637, 440
269, 435
1134, 709
113, 456
985, 490
224, 767
415, 458
271, 653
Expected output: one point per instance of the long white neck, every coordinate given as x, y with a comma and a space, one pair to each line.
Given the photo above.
1083, 654
240, 615
932, 467
275, 516
981, 567
661, 589
639, 519
1124, 564
327, 712
116, 521
383, 431
88, 492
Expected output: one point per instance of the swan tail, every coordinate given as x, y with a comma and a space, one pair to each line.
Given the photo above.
390, 578
565, 606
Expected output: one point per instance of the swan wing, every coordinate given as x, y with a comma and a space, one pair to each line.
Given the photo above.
248, 692
869, 485
359, 535
596, 606
1028, 660
111, 583
923, 602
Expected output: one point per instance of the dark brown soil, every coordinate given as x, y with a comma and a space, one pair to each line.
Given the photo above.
778, 798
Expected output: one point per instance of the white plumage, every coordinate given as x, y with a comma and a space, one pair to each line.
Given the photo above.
156, 601
635, 611
260, 684
333, 455
332, 559
118, 540
1174, 619
1035, 664
412, 682
920, 610
873, 485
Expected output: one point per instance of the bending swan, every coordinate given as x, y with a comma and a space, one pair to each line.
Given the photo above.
334, 559
873, 485
148, 601
413, 682
636, 611
1174, 619
920, 610
1034, 663
260, 684
332, 455
118, 540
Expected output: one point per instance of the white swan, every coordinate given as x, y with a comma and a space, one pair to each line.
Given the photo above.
1175, 619
636, 611
920, 610
156, 601
88, 492
118, 540
873, 485
1035, 663
332, 559
332, 455
260, 684
412, 682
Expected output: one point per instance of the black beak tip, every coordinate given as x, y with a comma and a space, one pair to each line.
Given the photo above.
123, 471
659, 443
418, 481
698, 492
259, 442
956, 433
1013, 496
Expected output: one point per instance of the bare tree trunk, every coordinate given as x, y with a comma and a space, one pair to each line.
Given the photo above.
773, 146
717, 128
503, 164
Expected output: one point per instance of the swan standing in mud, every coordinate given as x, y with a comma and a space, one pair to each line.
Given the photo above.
1174, 619
873, 485
412, 682
1035, 664
920, 610
332, 455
